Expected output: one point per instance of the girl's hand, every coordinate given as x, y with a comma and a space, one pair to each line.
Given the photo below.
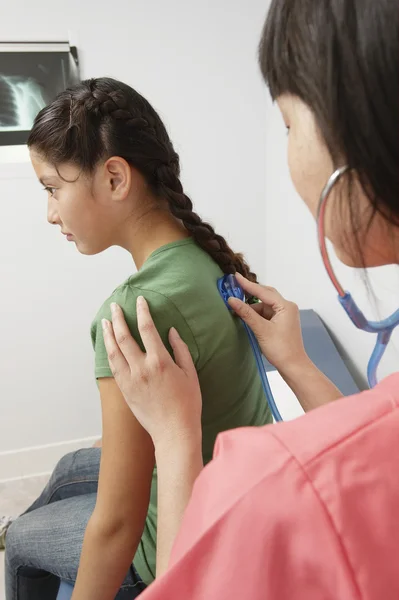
276, 324
163, 394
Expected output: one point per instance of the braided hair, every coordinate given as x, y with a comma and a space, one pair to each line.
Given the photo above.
100, 118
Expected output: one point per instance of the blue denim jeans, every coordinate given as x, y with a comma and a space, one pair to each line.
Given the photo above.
43, 546
65, 591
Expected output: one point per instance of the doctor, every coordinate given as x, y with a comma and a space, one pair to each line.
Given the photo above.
321, 519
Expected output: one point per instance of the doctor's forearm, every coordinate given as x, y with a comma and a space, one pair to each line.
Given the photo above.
310, 385
178, 465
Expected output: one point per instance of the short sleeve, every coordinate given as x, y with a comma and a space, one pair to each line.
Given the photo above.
163, 311
306, 509
255, 529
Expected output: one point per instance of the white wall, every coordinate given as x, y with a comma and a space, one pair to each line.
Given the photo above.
196, 62
293, 264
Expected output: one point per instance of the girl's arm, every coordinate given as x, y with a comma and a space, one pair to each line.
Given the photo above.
115, 528
166, 398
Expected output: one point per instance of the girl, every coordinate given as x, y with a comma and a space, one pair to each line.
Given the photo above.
112, 178
321, 519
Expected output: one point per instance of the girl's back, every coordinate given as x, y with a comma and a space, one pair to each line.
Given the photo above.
179, 282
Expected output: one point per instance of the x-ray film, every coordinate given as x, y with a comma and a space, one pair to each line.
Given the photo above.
31, 75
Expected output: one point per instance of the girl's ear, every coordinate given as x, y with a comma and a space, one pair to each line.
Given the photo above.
118, 177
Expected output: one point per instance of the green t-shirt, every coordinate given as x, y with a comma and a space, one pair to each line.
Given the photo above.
179, 282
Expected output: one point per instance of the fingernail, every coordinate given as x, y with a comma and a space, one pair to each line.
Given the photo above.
114, 308
235, 302
105, 324
141, 301
175, 333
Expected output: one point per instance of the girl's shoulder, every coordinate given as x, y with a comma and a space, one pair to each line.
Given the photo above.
163, 310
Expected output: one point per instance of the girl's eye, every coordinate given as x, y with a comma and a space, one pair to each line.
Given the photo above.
50, 190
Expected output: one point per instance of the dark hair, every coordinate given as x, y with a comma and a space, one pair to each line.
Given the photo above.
100, 118
341, 57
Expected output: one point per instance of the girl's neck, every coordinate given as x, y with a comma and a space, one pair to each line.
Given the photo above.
154, 229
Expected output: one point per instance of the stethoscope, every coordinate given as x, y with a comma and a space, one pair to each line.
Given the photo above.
383, 328
229, 288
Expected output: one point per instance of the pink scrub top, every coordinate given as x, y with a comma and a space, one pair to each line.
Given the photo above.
307, 509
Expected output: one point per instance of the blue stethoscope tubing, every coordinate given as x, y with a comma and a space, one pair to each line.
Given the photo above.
229, 288
383, 328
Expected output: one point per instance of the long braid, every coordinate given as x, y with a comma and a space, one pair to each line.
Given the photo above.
113, 104
103, 117
181, 207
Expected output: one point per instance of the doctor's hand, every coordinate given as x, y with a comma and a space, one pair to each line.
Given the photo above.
275, 322
163, 393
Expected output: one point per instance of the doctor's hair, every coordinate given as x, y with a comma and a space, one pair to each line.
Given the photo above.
100, 118
341, 58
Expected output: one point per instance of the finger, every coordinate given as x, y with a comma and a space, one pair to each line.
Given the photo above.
149, 333
117, 361
181, 352
247, 314
126, 343
267, 295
